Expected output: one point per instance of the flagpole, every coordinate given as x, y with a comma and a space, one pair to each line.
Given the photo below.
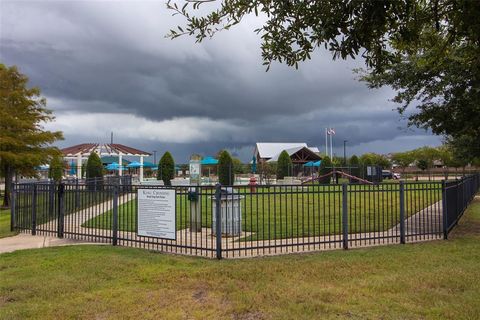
331, 146
326, 143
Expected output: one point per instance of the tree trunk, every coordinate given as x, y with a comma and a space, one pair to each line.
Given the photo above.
8, 185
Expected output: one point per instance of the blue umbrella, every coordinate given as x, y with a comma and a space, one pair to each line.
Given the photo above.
135, 164
113, 166
208, 161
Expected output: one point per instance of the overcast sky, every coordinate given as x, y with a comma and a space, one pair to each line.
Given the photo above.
107, 66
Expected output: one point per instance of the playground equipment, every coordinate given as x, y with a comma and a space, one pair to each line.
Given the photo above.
335, 172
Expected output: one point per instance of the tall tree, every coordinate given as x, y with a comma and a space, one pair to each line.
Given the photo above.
225, 168
24, 143
425, 50
94, 167
354, 164
57, 166
284, 165
325, 168
166, 168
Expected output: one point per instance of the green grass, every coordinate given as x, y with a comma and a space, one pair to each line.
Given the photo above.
5, 224
47, 206
314, 211
431, 280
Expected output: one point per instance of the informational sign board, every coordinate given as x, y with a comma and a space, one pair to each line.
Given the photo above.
156, 213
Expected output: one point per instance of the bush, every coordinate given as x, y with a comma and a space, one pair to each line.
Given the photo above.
225, 168
94, 168
325, 167
166, 169
284, 165
55, 171
355, 168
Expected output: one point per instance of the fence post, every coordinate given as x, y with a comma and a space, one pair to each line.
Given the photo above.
402, 212
13, 197
444, 210
61, 210
51, 198
345, 215
77, 195
115, 216
218, 219
34, 210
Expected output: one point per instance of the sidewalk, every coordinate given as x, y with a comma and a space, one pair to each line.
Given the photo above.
27, 241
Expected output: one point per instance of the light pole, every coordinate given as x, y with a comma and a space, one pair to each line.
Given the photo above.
155, 156
345, 152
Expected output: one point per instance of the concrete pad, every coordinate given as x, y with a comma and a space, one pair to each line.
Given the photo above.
26, 241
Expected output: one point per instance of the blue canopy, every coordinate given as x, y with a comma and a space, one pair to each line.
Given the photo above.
309, 164
147, 164
208, 161
254, 164
73, 170
312, 164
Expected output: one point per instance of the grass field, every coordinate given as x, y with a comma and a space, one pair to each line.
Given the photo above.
315, 210
433, 280
5, 224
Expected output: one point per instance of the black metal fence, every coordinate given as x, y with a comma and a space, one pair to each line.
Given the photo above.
246, 221
457, 195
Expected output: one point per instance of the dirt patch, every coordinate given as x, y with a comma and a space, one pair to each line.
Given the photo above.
200, 295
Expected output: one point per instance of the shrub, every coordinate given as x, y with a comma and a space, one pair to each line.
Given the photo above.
325, 167
166, 169
284, 165
94, 168
225, 168
355, 168
55, 171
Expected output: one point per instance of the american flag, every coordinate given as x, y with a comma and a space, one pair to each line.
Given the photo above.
330, 131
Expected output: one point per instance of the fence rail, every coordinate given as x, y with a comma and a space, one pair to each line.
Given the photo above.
246, 221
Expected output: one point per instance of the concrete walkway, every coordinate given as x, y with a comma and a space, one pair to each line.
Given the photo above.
27, 241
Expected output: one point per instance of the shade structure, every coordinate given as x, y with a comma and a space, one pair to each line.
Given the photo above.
254, 164
208, 161
317, 163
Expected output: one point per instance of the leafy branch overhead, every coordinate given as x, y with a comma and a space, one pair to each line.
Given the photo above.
428, 51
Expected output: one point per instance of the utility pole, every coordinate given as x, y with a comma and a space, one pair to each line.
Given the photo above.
345, 152
155, 156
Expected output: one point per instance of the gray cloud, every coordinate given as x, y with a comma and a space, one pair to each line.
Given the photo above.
110, 59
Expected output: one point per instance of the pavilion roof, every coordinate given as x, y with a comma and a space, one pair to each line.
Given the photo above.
114, 149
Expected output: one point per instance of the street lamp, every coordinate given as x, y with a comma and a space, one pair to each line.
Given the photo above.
345, 152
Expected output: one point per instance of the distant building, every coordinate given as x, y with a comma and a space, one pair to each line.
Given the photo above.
300, 153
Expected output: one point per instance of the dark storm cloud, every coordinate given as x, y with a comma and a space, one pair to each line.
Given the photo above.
112, 57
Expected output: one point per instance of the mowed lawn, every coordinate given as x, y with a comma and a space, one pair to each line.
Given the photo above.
431, 280
5, 224
281, 212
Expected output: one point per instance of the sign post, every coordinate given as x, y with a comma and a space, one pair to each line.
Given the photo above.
156, 213
194, 193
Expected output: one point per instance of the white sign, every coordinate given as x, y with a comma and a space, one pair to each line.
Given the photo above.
194, 168
156, 213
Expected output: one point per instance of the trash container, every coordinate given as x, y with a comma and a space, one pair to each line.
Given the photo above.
231, 213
